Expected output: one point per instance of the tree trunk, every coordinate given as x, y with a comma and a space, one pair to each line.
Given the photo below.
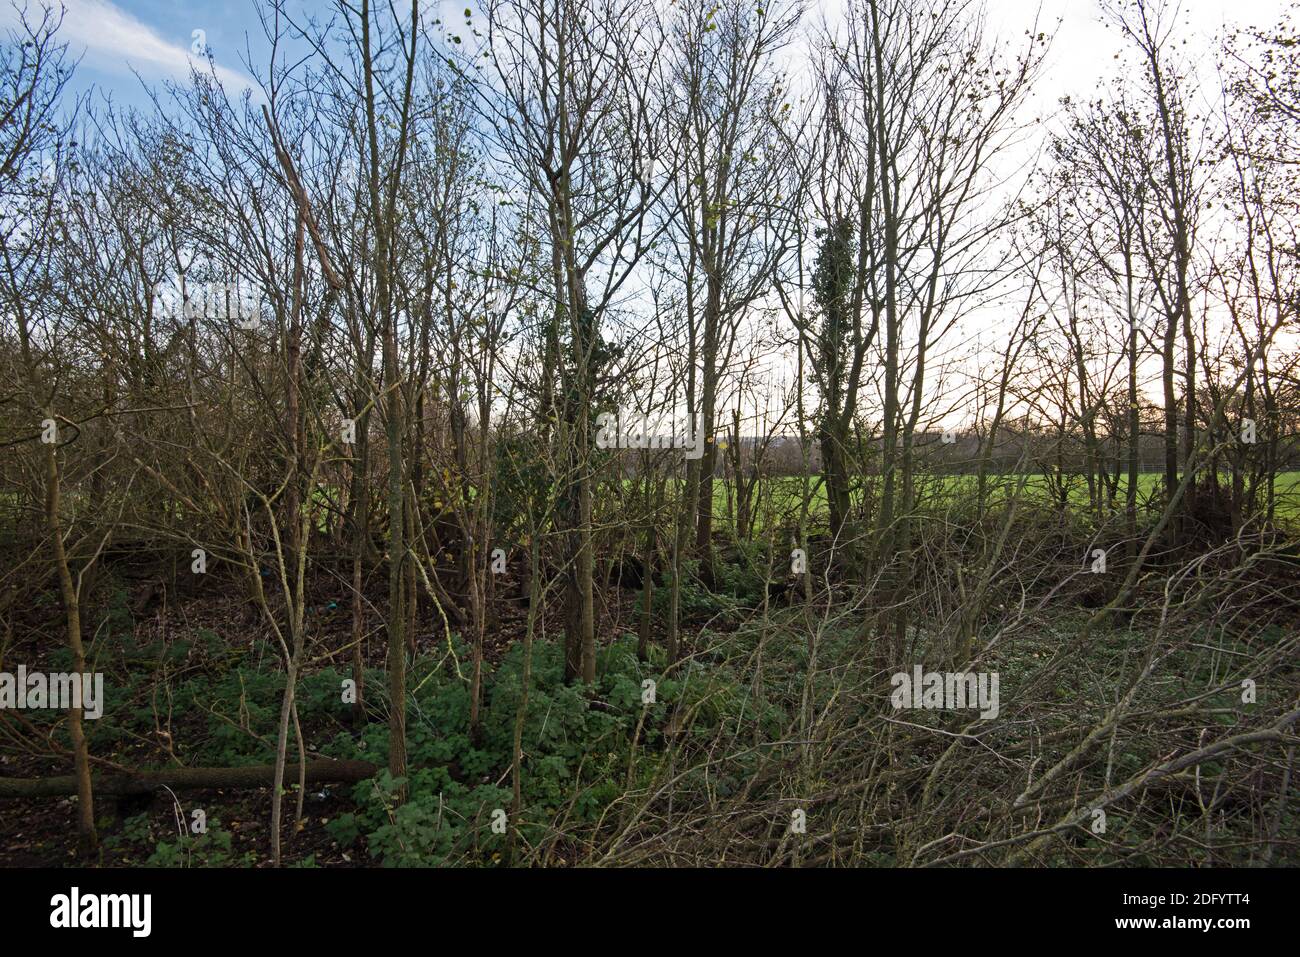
87, 838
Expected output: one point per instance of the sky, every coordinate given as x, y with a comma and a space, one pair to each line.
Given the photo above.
124, 43
125, 46
119, 45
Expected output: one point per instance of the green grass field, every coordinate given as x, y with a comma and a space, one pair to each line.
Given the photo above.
781, 496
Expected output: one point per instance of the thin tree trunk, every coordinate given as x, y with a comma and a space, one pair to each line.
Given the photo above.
87, 838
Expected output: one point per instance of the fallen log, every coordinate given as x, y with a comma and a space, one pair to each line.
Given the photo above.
323, 771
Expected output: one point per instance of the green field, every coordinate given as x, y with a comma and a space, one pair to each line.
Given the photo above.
781, 496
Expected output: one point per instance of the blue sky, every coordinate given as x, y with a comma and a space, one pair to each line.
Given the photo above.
122, 43
153, 38
117, 39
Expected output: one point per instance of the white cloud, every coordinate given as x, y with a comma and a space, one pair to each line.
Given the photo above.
115, 41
